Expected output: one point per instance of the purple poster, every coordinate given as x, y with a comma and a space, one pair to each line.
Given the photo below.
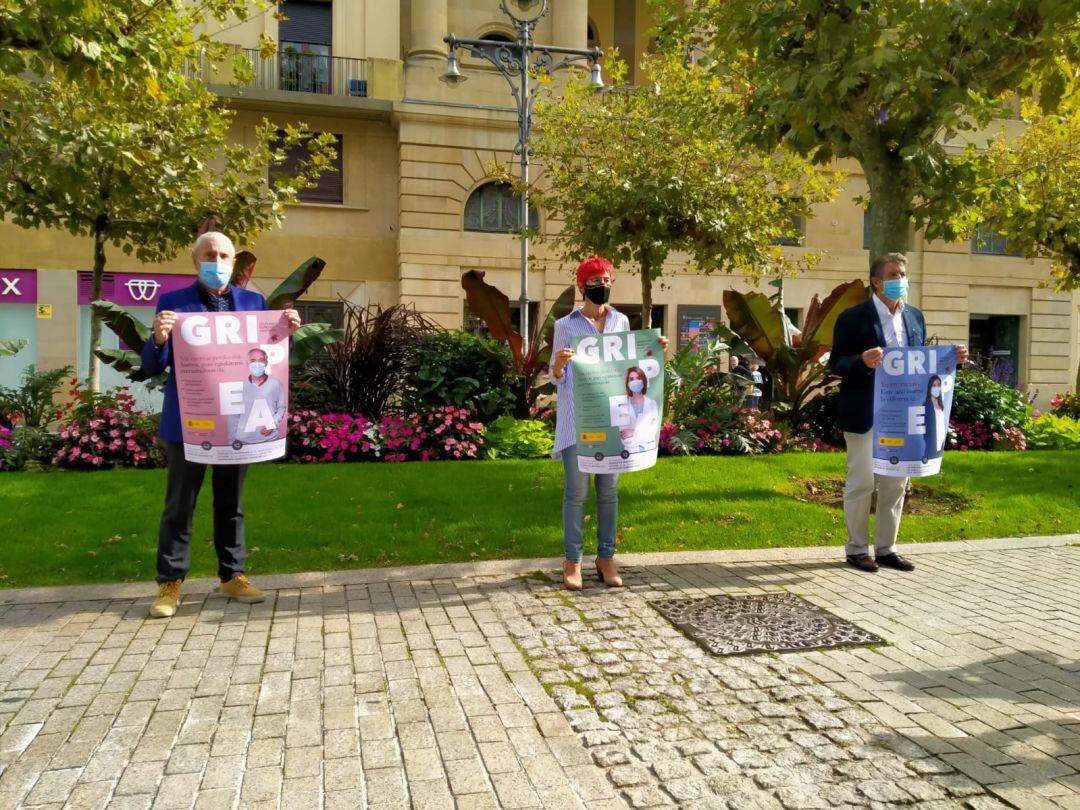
232, 376
18, 287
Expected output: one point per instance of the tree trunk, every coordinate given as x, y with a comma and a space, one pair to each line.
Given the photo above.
646, 290
94, 366
890, 206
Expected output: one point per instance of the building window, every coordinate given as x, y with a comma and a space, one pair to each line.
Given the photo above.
496, 36
329, 188
494, 208
306, 36
592, 39
796, 233
633, 313
473, 323
794, 314
989, 242
331, 312
994, 343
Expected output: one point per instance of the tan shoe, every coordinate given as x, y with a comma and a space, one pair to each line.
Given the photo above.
168, 600
241, 589
571, 576
608, 573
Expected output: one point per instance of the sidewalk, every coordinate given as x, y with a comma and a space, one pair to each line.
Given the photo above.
487, 685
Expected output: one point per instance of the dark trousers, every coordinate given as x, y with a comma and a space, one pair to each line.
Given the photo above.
181, 493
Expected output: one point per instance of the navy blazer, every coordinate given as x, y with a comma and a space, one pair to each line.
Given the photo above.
857, 329
155, 360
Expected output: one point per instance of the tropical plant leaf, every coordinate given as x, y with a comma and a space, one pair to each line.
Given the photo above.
545, 330
754, 318
821, 315
128, 328
243, 269
310, 339
128, 363
296, 284
492, 307
12, 346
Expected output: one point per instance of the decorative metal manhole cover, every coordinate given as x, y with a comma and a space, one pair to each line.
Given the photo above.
772, 622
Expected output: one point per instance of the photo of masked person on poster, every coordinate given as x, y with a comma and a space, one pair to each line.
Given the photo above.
264, 404
936, 429
644, 428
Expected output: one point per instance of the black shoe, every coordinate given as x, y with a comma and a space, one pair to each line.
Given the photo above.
864, 562
896, 561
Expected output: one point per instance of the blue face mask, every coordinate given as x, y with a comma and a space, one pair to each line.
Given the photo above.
257, 369
637, 386
215, 275
895, 288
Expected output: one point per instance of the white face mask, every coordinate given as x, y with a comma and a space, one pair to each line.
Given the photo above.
935, 391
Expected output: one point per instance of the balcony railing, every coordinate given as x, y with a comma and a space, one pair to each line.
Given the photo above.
309, 73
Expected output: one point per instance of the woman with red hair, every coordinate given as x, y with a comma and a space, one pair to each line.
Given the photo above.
596, 316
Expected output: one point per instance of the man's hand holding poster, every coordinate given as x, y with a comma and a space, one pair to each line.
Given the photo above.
913, 393
232, 376
618, 400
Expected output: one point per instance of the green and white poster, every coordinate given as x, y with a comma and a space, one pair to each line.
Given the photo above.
618, 400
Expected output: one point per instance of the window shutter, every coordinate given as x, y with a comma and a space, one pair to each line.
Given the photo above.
308, 22
330, 188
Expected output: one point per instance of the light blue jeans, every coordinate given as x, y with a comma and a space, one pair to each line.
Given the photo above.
573, 509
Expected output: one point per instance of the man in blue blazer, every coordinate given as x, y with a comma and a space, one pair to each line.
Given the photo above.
213, 257
862, 334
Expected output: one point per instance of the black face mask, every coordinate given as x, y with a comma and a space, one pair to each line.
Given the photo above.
598, 293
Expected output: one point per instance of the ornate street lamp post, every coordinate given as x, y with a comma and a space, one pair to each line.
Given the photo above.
519, 62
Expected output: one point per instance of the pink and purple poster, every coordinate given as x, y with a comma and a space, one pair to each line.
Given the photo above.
232, 377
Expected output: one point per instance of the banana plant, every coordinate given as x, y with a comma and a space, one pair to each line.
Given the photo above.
793, 358
493, 307
307, 341
12, 346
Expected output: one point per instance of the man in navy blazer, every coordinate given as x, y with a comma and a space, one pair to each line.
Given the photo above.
862, 334
213, 256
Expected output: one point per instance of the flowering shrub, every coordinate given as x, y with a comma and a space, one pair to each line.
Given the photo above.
736, 431
101, 431
5, 447
805, 440
1066, 405
332, 437
981, 436
441, 433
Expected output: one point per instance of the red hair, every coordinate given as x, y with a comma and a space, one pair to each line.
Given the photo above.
595, 266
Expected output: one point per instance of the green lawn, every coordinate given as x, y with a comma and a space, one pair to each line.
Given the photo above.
68, 528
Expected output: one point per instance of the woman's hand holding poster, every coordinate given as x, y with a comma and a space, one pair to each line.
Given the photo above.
913, 393
618, 399
232, 377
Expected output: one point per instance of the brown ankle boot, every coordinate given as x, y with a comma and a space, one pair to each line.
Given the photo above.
608, 573
571, 576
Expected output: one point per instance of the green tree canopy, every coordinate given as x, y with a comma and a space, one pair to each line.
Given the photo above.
141, 169
637, 173
884, 82
119, 40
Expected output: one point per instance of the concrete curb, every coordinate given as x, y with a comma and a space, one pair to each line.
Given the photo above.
364, 576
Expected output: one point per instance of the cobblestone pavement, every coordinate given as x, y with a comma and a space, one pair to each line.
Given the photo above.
441, 689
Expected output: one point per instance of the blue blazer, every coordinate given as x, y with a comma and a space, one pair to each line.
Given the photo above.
857, 329
155, 360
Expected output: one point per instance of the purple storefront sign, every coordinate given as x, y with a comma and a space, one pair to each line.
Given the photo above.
18, 286
132, 289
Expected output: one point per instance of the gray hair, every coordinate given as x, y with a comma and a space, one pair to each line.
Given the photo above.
211, 235
877, 267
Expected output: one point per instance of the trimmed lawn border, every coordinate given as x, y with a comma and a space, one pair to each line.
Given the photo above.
67, 528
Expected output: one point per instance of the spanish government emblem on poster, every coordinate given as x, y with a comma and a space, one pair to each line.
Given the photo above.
913, 394
618, 400
232, 377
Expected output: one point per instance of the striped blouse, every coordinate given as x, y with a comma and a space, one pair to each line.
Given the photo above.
576, 324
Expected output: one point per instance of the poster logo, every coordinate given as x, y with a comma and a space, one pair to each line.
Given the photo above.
142, 289
11, 286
